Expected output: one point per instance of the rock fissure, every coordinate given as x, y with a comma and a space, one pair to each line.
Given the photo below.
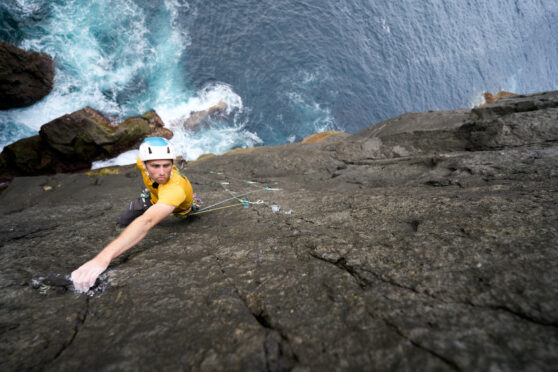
450, 363
80, 321
18, 210
278, 354
341, 263
504, 308
361, 280
12, 235
396, 284
364, 283
519, 314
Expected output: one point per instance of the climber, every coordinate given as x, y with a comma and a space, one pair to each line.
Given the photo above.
167, 192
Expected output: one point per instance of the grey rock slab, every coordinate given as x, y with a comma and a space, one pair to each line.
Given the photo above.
443, 258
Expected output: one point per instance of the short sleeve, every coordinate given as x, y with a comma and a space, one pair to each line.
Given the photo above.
172, 195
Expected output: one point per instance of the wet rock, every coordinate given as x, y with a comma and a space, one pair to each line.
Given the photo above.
52, 281
25, 77
198, 119
423, 241
72, 142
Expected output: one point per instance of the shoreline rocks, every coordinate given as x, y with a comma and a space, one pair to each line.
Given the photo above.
72, 142
198, 119
492, 98
25, 77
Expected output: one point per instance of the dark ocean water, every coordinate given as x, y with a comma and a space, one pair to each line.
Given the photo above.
286, 69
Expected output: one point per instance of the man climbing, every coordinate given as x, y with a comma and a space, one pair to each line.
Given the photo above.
168, 192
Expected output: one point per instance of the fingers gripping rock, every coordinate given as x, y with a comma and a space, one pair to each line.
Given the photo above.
86, 275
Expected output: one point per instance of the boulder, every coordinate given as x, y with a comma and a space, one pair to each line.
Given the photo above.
199, 118
25, 77
492, 98
72, 142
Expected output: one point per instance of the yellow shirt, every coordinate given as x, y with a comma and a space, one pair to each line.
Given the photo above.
177, 192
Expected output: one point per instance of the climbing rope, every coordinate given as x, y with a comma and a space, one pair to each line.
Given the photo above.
242, 202
212, 210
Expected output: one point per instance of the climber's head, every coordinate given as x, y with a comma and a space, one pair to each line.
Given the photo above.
157, 156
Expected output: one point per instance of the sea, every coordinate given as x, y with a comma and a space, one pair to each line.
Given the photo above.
285, 69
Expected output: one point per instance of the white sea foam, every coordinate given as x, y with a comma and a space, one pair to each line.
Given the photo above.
317, 118
512, 84
217, 138
128, 157
477, 100
98, 50
27, 6
175, 113
113, 57
385, 26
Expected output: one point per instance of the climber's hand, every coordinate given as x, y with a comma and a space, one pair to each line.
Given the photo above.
86, 275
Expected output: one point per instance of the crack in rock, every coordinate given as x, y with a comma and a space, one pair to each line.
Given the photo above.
364, 283
279, 355
278, 352
342, 264
419, 346
519, 314
361, 280
22, 232
80, 321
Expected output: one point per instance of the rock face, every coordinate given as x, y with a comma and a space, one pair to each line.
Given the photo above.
25, 77
426, 242
72, 142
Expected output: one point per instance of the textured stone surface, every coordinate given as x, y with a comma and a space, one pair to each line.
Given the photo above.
72, 142
442, 257
25, 77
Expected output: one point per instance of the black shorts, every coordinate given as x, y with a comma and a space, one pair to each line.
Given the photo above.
135, 209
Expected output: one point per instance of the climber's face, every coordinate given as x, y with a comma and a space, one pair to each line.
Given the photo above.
159, 170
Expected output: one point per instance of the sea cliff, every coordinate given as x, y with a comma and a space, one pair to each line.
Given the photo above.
425, 242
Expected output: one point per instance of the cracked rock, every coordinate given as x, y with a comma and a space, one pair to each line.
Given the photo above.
426, 242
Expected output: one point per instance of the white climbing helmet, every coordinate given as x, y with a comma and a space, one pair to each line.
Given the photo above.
156, 148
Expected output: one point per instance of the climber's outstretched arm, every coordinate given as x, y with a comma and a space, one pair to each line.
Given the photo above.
84, 277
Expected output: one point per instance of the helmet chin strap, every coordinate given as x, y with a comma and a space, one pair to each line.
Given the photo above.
145, 168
